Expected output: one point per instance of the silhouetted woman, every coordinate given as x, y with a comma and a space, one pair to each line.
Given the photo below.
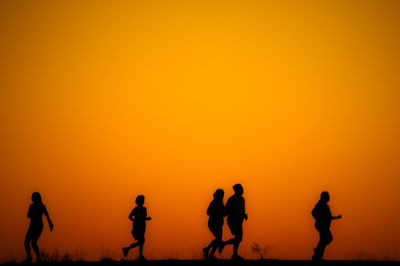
236, 214
215, 212
35, 213
139, 226
323, 219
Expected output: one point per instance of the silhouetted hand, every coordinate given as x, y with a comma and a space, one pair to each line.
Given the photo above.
51, 227
246, 217
148, 218
337, 217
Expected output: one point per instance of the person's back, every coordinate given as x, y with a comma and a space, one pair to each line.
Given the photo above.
215, 212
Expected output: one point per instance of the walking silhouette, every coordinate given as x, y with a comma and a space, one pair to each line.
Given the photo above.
235, 210
139, 226
215, 212
35, 213
323, 219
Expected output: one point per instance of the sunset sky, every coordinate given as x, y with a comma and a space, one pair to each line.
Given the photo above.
103, 100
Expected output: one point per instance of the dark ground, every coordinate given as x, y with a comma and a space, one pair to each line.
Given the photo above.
220, 263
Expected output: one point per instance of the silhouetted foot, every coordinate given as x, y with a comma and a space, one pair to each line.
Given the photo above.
221, 247
141, 258
125, 250
205, 252
236, 257
212, 257
38, 260
27, 260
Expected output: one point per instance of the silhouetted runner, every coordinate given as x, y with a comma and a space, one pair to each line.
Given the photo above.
235, 210
139, 226
215, 212
323, 218
35, 213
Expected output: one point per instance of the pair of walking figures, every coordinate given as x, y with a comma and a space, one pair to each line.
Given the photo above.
236, 214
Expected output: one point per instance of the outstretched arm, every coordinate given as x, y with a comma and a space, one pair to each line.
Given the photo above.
48, 218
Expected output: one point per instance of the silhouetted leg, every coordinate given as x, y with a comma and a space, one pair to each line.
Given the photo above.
235, 247
238, 239
325, 238
215, 245
35, 237
27, 244
141, 244
207, 249
126, 249
133, 245
36, 250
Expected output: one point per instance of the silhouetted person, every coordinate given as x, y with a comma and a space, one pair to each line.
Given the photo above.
35, 213
215, 211
323, 218
139, 226
235, 210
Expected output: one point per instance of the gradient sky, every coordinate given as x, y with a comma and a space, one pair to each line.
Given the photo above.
103, 100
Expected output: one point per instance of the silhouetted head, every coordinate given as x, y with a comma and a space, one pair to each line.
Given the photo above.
238, 189
325, 196
36, 198
219, 194
140, 200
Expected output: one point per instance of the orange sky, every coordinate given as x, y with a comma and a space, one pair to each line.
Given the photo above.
101, 101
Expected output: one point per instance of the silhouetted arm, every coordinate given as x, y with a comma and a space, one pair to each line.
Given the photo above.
48, 218
148, 218
245, 216
336, 217
227, 207
131, 215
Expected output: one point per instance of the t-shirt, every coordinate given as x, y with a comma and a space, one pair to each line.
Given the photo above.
35, 212
140, 215
322, 214
216, 212
235, 208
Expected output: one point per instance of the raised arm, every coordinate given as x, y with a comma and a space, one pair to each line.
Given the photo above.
48, 218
